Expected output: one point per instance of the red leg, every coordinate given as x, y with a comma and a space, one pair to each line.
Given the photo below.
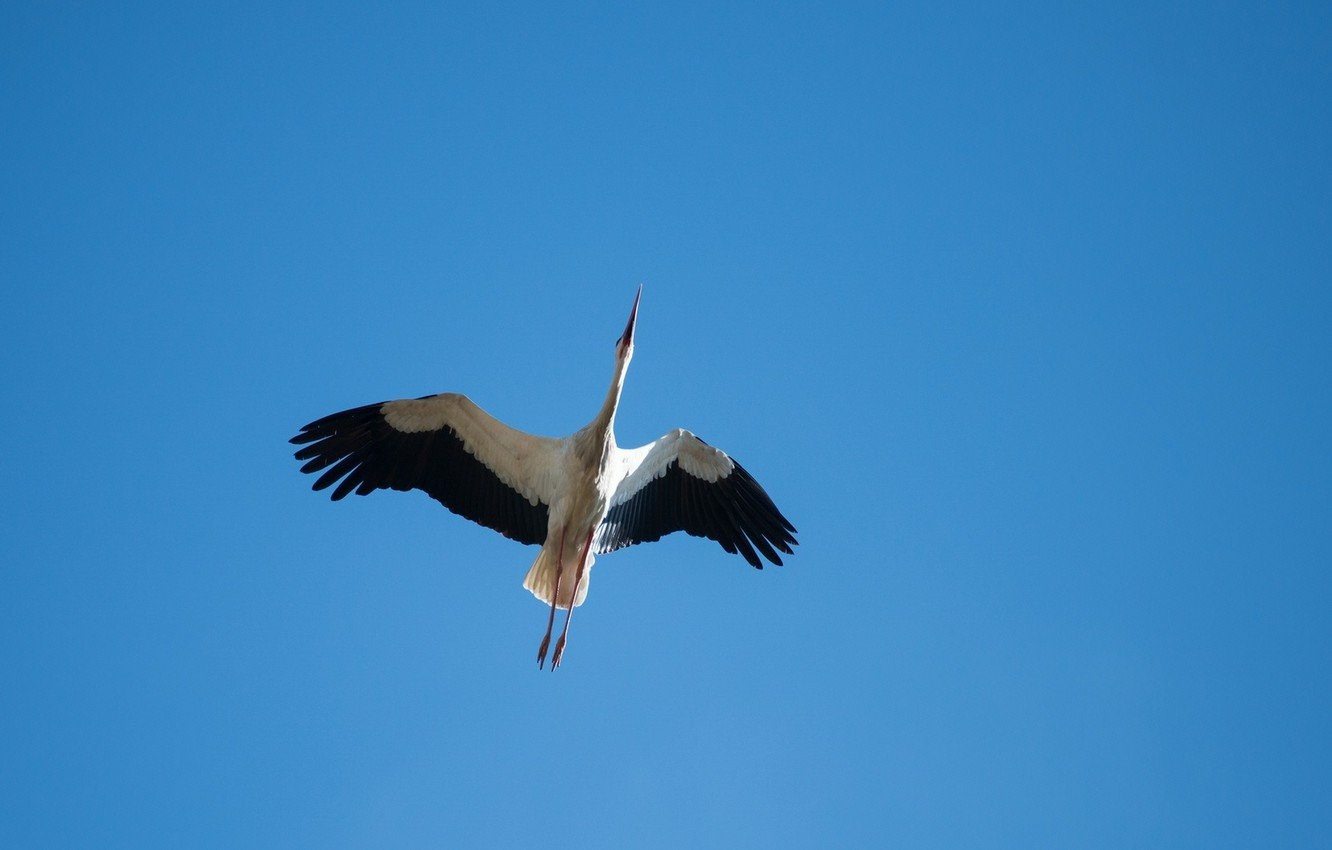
550, 622
578, 582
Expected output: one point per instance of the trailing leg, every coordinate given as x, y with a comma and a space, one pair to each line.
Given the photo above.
550, 621
573, 598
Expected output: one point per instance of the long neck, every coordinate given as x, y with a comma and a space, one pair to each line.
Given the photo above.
604, 424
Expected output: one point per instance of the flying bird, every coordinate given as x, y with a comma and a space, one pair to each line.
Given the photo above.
575, 497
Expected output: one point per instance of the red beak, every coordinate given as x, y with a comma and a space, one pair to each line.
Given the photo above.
628, 337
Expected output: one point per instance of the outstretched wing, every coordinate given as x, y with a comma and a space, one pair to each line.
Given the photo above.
473, 464
680, 483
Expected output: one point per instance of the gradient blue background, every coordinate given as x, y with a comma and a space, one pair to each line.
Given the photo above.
1022, 316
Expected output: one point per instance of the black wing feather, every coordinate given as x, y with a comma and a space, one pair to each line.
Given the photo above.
733, 510
362, 449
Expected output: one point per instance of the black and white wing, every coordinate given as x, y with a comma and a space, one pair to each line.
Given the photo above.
473, 464
680, 483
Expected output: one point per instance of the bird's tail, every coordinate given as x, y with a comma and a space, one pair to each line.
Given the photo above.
541, 578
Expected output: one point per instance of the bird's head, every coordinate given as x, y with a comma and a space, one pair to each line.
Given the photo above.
624, 347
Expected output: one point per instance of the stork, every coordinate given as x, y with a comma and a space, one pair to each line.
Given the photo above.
576, 497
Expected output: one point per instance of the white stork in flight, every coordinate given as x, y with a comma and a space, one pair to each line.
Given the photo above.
576, 497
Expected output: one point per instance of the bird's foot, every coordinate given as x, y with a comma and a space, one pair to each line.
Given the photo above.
541, 653
559, 654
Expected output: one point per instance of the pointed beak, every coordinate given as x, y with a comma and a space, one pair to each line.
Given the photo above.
628, 337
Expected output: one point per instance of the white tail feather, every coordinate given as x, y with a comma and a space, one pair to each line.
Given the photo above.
540, 579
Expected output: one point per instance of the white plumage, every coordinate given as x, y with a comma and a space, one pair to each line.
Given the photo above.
576, 497
520, 460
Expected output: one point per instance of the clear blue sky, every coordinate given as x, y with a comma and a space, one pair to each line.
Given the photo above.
1021, 315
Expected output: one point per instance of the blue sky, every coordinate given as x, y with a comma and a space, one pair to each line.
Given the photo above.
1021, 315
